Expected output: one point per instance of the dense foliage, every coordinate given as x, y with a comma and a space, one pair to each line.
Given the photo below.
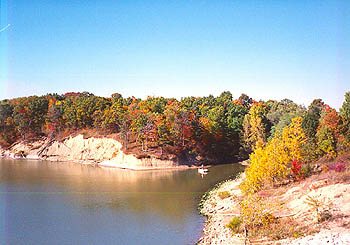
211, 129
269, 164
297, 137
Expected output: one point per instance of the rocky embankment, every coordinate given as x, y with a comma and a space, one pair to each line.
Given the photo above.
220, 211
104, 152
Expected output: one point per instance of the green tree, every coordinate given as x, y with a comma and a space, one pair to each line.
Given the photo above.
325, 141
344, 113
8, 132
245, 101
29, 115
312, 117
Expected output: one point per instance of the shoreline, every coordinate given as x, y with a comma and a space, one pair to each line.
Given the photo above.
101, 152
220, 211
153, 168
120, 166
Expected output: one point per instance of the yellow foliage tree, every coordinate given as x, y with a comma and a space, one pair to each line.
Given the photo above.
293, 138
270, 164
254, 128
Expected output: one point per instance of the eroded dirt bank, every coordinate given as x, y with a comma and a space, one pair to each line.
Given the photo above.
104, 152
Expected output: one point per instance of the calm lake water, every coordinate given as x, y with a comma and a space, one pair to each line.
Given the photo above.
67, 203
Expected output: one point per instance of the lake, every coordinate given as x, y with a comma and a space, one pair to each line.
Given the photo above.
68, 203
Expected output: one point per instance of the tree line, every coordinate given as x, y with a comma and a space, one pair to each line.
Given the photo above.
212, 129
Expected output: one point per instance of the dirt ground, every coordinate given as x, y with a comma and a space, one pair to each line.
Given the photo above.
329, 191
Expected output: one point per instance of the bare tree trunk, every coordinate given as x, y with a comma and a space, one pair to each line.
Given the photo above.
146, 145
23, 135
127, 139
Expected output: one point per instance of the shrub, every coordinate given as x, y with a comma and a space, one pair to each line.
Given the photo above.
235, 224
321, 207
324, 215
297, 234
325, 169
338, 167
296, 168
306, 170
224, 194
258, 221
255, 212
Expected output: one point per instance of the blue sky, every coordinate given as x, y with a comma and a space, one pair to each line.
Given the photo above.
267, 49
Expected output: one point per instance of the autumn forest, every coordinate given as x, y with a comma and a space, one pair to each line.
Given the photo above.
195, 129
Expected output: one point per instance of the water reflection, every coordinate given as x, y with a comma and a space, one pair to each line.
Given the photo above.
164, 200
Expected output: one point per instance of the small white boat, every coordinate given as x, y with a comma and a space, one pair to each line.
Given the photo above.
203, 170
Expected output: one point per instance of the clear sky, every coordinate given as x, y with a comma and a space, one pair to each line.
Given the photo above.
267, 49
